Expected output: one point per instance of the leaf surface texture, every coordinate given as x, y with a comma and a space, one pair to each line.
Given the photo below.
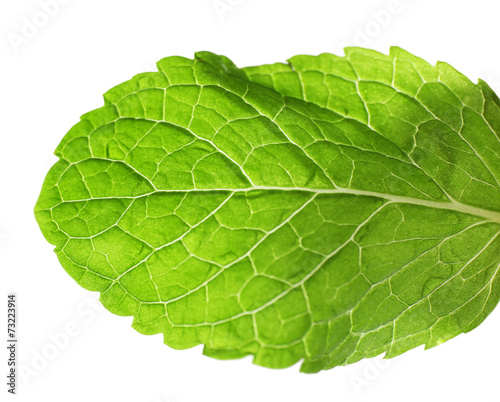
327, 209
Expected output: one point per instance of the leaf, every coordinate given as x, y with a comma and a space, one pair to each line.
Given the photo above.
325, 210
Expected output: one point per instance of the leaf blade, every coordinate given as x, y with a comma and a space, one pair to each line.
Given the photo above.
283, 211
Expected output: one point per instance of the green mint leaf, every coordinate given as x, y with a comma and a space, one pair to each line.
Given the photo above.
325, 210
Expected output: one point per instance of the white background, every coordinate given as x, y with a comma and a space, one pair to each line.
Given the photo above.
49, 79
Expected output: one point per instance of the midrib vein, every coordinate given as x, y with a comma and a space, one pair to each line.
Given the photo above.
451, 205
